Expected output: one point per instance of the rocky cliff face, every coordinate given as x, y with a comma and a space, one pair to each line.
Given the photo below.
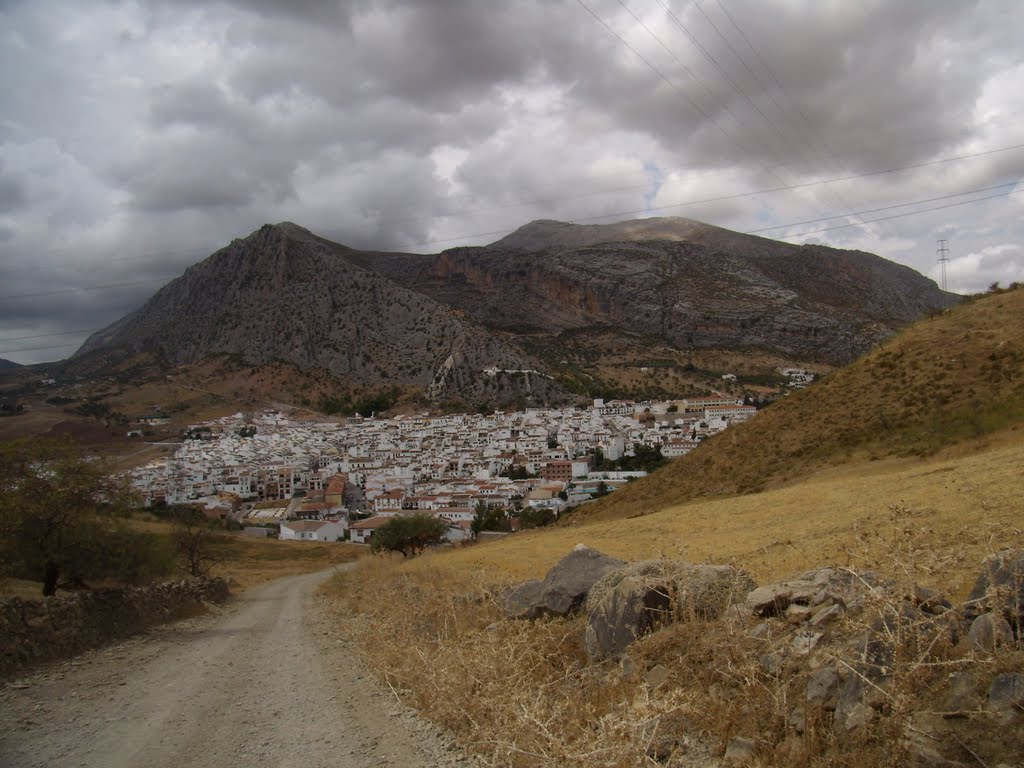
284, 294
690, 284
447, 324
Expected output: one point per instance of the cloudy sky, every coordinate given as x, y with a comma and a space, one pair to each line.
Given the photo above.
138, 137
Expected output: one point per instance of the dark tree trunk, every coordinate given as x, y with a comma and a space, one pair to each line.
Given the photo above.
51, 573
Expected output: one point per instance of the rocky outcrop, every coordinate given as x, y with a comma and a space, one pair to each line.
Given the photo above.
800, 597
565, 587
57, 627
692, 284
638, 598
1000, 588
285, 294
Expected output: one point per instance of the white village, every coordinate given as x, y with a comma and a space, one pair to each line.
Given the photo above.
343, 479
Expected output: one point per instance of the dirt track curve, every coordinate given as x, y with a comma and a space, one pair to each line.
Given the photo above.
264, 682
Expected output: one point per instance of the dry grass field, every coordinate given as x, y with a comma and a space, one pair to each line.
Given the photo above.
525, 693
909, 463
959, 506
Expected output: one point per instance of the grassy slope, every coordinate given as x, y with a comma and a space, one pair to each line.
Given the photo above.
923, 436
850, 515
942, 492
944, 380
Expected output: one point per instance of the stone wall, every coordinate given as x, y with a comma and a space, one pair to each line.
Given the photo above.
61, 626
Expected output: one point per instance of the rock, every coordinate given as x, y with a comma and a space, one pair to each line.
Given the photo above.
823, 688
811, 588
740, 751
999, 587
635, 599
989, 631
1006, 692
522, 601
564, 589
963, 692
805, 642
826, 614
657, 676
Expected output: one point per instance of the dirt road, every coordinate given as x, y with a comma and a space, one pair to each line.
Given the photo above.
264, 682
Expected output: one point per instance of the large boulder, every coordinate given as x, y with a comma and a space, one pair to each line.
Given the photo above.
635, 599
564, 590
1000, 589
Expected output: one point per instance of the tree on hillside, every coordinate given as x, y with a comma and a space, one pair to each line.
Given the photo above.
408, 534
193, 540
490, 519
56, 505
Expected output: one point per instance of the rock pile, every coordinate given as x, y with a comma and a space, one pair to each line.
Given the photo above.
853, 644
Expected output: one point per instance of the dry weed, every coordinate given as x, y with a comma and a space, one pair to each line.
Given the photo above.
524, 693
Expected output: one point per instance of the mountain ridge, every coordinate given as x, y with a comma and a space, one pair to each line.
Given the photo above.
438, 322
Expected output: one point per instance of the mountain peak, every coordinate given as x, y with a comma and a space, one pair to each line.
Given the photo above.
548, 233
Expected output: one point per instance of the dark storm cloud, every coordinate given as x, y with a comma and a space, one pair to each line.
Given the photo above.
138, 137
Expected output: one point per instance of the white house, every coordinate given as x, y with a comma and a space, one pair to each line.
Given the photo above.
312, 530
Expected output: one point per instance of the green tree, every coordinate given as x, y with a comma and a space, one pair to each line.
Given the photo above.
602, 490
57, 507
193, 541
490, 519
536, 517
408, 534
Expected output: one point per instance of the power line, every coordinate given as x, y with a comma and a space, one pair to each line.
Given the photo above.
11, 297
901, 215
44, 335
890, 207
37, 349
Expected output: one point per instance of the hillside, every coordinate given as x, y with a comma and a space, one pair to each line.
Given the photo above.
903, 467
688, 284
284, 294
945, 380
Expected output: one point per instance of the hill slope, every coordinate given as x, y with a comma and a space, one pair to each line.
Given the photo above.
284, 294
944, 380
690, 284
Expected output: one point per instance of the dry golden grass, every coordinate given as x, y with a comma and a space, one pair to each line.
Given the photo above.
524, 693
841, 516
944, 380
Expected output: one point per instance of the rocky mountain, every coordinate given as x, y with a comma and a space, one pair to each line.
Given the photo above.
455, 325
8, 364
283, 293
680, 281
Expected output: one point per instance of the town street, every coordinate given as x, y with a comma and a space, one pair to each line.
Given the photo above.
263, 682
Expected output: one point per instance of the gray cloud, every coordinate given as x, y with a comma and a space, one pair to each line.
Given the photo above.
138, 137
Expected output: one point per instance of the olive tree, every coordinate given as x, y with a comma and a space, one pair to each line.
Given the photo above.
408, 534
56, 504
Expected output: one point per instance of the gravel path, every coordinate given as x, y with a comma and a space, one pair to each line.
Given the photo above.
263, 682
